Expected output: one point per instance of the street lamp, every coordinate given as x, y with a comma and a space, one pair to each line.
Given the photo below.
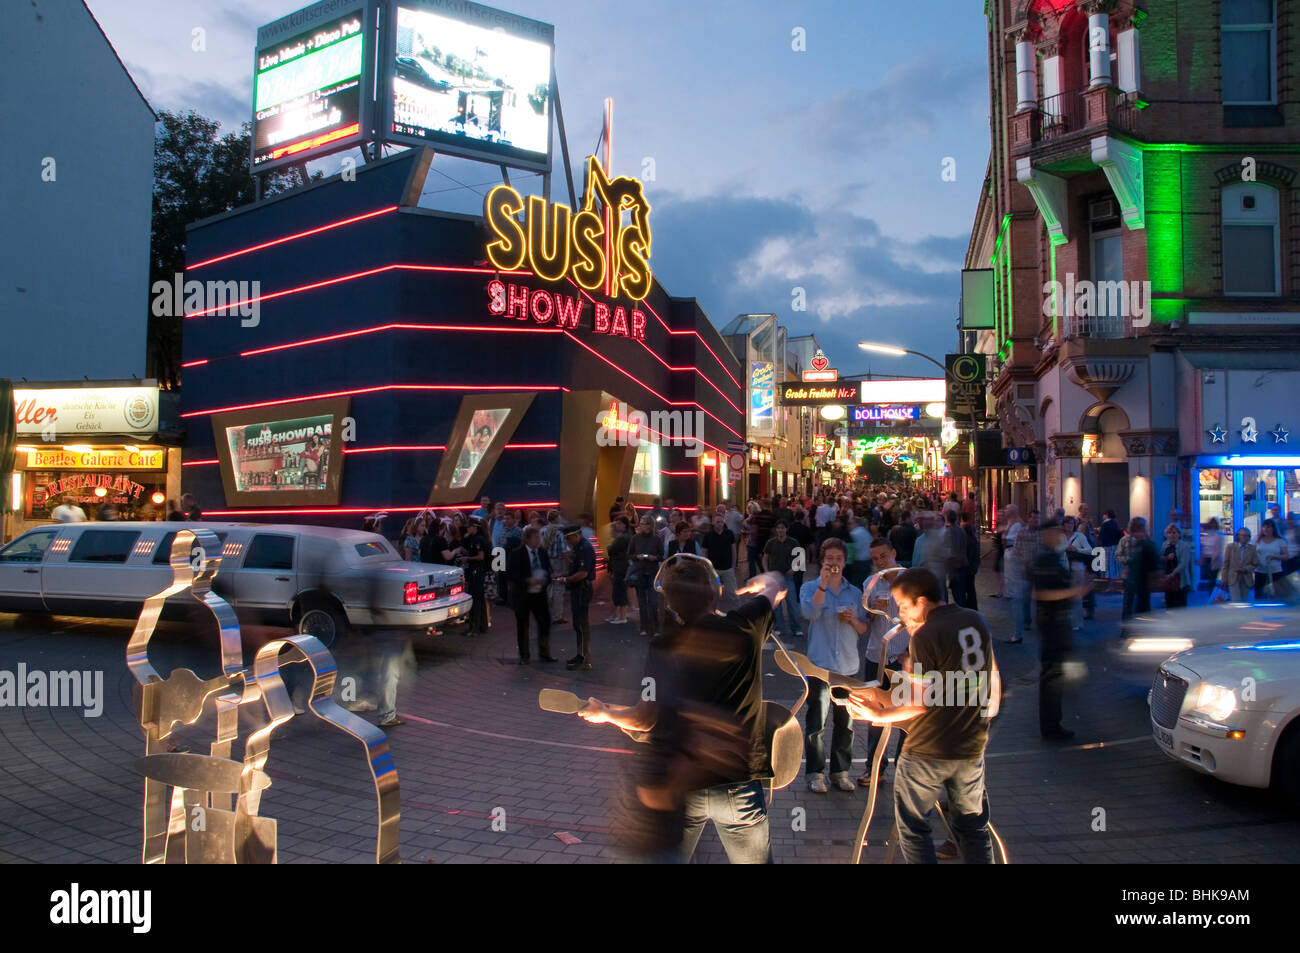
899, 352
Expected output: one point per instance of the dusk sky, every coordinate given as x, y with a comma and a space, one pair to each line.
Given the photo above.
773, 169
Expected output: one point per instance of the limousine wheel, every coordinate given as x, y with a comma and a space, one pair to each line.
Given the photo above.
324, 621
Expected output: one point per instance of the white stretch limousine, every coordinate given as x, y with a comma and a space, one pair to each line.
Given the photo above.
317, 579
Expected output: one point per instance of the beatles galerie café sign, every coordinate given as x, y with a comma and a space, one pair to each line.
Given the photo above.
59, 459
591, 250
87, 411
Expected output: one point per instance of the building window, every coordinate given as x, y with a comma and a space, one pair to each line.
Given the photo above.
1248, 43
1251, 247
645, 471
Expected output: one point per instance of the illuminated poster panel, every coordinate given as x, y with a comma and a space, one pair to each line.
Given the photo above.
288, 454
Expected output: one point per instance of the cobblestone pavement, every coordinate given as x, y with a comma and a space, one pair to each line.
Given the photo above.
477, 750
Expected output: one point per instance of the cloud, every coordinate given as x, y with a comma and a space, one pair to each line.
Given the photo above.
744, 254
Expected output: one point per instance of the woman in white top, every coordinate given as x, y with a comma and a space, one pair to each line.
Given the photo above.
1271, 550
1014, 579
1078, 551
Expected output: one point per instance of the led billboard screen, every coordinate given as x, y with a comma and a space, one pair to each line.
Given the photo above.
292, 456
470, 81
917, 391
309, 85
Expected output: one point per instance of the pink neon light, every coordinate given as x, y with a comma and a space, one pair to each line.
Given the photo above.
197, 463
399, 327
195, 363
290, 238
441, 447
359, 274
698, 335
670, 403
372, 390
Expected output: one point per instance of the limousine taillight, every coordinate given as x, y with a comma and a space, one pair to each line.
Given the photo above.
415, 595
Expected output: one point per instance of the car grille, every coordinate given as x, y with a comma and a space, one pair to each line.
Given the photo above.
1167, 693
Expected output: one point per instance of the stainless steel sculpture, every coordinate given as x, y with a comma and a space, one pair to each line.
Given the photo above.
224, 793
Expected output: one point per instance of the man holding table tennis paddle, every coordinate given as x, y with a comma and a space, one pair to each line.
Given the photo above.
701, 712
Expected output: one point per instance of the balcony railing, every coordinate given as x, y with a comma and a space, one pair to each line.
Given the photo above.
1106, 326
1061, 115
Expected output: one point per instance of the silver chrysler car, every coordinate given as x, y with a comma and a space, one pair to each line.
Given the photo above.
317, 579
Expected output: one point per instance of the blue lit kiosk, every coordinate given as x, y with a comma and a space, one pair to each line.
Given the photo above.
391, 366
1239, 415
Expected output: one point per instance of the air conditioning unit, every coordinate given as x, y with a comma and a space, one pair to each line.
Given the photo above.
1100, 210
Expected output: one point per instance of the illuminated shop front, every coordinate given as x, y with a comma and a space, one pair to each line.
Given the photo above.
1239, 439
93, 445
406, 358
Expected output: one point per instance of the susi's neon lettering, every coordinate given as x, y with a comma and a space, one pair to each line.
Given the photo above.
558, 243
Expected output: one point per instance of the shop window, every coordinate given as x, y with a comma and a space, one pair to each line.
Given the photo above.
645, 471
29, 548
1251, 247
1248, 46
267, 551
103, 546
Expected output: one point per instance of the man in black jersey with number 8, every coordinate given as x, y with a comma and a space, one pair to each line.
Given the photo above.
947, 702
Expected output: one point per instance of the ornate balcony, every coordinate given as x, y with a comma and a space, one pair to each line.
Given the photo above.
1078, 114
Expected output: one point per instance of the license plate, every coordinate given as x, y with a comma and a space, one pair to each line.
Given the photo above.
1164, 738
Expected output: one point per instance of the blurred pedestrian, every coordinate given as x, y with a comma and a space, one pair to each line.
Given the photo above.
1239, 561
1053, 592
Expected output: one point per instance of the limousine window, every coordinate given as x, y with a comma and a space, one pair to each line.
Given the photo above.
163, 554
269, 552
30, 548
373, 549
103, 546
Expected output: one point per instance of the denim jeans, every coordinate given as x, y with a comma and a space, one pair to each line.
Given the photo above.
814, 747
389, 655
917, 783
647, 603
739, 813
788, 610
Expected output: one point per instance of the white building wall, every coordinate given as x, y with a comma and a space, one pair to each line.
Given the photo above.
74, 263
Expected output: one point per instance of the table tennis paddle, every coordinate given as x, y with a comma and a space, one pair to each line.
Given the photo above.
561, 702
796, 663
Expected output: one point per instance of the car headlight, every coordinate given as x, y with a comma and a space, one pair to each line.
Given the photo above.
1216, 701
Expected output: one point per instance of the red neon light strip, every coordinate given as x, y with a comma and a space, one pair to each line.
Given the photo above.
315, 141
698, 335
679, 473
359, 274
371, 390
289, 238
430, 447
197, 463
374, 509
670, 403
398, 327
195, 363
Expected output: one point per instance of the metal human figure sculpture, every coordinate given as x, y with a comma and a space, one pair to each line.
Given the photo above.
212, 814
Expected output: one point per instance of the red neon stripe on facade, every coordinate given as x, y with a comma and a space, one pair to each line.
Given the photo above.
197, 463
195, 363
315, 141
698, 335
440, 447
397, 327
690, 473
341, 278
289, 238
377, 509
383, 449
670, 403
371, 390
